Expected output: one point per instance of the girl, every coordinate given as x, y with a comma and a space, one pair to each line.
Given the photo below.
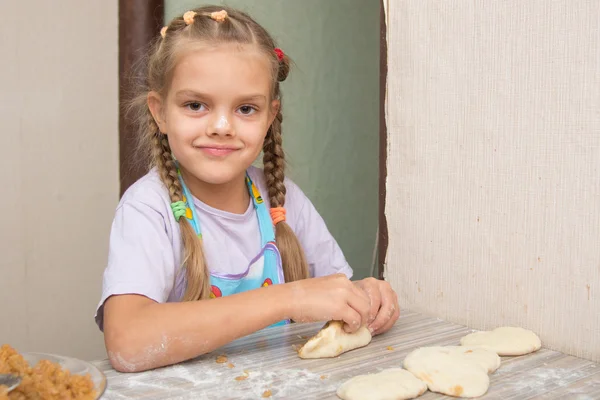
198, 257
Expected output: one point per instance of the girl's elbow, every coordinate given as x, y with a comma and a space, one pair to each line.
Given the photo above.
123, 352
121, 362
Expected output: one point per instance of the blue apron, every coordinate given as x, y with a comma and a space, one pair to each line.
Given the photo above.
264, 270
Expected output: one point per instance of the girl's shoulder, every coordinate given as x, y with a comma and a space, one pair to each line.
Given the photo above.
148, 191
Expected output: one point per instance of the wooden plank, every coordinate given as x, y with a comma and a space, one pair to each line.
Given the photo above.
267, 360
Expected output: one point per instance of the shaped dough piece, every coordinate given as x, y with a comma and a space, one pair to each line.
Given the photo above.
458, 371
332, 340
389, 384
506, 341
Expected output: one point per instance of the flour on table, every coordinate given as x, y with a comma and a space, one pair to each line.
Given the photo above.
185, 382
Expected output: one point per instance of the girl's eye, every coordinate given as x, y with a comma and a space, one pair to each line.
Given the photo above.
247, 110
195, 106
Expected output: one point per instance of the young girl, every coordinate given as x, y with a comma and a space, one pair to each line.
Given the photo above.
198, 257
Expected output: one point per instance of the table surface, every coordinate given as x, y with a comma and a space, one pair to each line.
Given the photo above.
266, 363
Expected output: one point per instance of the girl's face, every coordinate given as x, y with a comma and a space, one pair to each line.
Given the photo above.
217, 111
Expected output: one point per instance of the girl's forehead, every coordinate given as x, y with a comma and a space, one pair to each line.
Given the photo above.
223, 68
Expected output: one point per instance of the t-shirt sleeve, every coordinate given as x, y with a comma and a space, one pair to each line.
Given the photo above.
323, 254
140, 257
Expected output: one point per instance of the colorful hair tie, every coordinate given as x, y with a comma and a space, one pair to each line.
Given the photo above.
179, 209
163, 31
219, 16
277, 214
188, 17
279, 53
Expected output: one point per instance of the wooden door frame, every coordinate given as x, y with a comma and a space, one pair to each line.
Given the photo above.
383, 229
139, 23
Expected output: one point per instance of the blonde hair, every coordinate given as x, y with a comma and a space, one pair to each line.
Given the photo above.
210, 25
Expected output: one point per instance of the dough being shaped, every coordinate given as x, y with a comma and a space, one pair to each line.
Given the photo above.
458, 371
389, 384
332, 340
506, 341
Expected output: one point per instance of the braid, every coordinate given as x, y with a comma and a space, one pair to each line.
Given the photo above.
274, 163
197, 276
166, 167
293, 260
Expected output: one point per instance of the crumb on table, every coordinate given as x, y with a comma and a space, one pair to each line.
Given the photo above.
243, 377
221, 359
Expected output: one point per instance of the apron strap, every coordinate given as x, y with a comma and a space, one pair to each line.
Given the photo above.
265, 224
187, 199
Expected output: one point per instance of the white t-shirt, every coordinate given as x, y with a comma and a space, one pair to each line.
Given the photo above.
145, 241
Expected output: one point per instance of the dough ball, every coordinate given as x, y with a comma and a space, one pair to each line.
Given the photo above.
332, 340
389, 384
458, 371
506, 341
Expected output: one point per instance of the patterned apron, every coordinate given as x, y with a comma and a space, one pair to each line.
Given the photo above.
264, 270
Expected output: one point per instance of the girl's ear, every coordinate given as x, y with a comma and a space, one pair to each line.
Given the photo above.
275, 105
155, 104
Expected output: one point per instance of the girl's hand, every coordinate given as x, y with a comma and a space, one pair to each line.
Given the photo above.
384, 310
332, 297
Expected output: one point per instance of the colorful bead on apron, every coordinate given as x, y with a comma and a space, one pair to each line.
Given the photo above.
264, 270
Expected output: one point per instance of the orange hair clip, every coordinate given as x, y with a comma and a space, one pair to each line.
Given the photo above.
277, 214
219, 16
188, 17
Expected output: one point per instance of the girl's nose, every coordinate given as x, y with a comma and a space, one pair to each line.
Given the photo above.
220, 126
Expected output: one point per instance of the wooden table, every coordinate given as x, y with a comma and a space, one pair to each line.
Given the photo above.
272, 366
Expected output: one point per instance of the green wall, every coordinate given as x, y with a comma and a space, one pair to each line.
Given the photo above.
330, 108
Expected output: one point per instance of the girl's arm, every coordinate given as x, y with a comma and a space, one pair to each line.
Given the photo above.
141, 334
325, 257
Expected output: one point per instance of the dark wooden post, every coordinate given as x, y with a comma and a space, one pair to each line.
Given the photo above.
383, 230
139, 23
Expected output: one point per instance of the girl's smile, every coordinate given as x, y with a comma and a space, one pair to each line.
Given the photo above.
218, 151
